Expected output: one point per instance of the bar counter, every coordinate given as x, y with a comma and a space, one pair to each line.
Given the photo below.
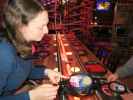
69, 56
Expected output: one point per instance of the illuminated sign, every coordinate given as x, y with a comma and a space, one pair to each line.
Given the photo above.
103, 5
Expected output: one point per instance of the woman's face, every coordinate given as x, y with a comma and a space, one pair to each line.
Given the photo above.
36, 28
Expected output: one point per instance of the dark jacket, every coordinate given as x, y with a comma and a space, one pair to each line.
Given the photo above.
14, 71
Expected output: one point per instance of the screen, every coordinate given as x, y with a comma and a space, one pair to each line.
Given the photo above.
103, 5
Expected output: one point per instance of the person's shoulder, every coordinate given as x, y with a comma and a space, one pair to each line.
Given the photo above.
6, 50
5, 45
7, 57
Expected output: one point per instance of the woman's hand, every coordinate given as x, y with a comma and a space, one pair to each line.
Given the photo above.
55, 76
44, 92
112, 77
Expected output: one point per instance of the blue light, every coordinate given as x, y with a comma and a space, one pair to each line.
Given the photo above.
103, 5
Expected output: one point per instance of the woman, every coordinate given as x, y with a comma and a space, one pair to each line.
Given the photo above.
24, 21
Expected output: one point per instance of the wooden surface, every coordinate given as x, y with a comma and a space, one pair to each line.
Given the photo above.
69, 61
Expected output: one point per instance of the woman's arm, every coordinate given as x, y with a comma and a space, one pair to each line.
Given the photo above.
6, 61
21, 96
37, 72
